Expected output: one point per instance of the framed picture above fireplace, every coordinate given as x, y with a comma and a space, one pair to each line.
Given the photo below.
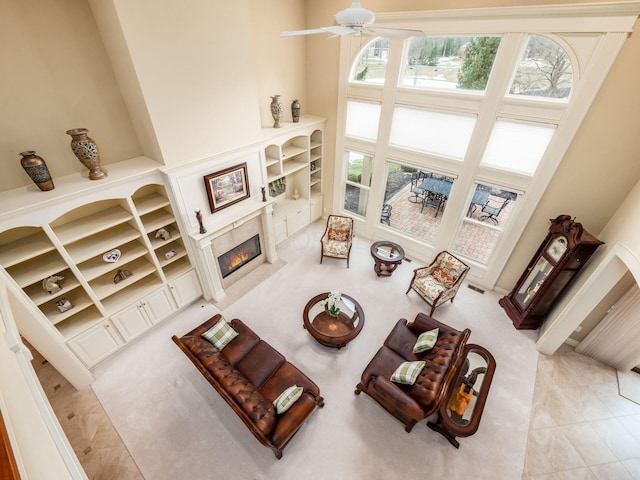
227, 187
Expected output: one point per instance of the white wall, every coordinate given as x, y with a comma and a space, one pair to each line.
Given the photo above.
620, 254
42, 451
194, 67
54, 76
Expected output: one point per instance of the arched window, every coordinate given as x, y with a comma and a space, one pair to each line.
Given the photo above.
544, 70
371, 65
456, 136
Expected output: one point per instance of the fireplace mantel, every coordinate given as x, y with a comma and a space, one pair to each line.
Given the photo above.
224, 222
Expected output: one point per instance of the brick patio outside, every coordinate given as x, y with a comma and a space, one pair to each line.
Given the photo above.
474, 240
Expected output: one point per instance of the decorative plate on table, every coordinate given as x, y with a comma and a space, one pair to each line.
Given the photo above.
112, 256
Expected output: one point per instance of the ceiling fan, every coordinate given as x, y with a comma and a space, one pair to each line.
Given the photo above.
355, 20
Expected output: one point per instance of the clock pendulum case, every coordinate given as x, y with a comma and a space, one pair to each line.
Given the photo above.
562, 254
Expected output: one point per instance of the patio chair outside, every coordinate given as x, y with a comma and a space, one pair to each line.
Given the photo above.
385, 214
417, 194
492, 209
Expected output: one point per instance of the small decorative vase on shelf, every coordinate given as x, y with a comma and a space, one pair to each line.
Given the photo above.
37, 170
276, 110
295, 111
86, 150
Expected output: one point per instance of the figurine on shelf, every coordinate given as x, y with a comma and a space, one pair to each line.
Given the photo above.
264, 193
199, 217
163, 233
170, 254
64, 304
121, 275
52, 284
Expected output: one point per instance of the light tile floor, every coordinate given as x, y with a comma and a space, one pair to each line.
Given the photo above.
95, 441
580, 427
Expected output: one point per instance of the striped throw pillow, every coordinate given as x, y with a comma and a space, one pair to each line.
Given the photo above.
287, 398
407, 372
220, 334
426, 341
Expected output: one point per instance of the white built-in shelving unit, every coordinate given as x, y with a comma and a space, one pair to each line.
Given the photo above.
66, 233
293, 160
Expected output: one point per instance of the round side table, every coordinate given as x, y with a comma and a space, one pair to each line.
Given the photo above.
387, 256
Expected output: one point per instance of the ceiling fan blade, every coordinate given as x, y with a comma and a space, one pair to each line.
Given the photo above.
335, 30
295, 33
393, 32
339, 30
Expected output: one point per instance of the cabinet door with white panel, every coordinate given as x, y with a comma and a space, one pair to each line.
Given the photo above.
96, 343
298, 219
132, 321
186, 289
160, 304
139, 317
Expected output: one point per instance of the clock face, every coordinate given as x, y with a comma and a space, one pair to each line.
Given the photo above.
557, 247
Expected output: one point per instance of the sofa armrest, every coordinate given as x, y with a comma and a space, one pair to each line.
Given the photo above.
289, 422
394, 399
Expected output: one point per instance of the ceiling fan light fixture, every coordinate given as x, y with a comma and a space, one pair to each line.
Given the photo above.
355, 16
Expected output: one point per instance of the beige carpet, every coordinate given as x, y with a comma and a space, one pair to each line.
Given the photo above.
177, 427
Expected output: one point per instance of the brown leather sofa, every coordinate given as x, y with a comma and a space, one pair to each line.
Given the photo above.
412, 403
250, 374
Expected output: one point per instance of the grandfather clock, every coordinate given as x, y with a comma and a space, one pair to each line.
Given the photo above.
562, 254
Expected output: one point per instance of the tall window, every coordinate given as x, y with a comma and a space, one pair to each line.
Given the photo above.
418, 198
449, 62
465, 128
358, 182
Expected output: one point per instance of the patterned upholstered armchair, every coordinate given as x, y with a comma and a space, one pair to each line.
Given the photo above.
337, 238
440, 281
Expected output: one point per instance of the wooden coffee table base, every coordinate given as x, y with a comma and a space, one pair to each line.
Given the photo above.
333, 331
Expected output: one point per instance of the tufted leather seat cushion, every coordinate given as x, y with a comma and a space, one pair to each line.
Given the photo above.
402, 401
261, 412
249, 374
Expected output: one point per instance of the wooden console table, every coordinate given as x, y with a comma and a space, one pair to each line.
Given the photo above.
472, 384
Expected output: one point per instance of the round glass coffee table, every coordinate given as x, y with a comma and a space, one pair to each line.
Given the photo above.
333, 330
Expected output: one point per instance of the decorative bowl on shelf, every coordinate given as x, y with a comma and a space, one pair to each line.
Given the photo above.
112, 256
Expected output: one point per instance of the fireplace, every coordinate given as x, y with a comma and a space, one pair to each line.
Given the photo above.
239, 256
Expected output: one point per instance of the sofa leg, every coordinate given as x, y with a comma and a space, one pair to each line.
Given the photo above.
409, 426
277, 452
359, 388
320, 402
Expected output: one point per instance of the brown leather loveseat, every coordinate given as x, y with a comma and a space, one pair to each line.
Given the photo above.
412, 403
250, 374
